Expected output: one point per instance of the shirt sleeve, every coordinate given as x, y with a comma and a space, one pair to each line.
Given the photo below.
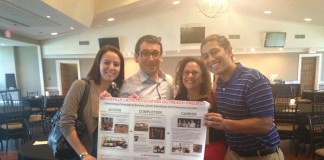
70, 107
260, 98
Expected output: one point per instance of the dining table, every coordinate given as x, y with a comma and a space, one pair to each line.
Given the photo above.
36, 149
310, 94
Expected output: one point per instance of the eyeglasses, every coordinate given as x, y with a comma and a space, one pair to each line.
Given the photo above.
148, 54
193, 73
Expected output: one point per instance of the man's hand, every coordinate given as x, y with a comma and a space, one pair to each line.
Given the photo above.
215, 120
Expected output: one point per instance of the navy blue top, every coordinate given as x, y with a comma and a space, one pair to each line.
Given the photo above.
247, 94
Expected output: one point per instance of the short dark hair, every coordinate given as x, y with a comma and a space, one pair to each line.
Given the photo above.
94, 72
222, 41
148, 39
205, 76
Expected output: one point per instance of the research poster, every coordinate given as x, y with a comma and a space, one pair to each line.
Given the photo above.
142, 129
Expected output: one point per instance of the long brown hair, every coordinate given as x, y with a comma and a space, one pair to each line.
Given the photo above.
205, 86
94, 72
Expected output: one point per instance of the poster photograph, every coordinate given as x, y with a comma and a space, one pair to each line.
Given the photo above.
143, 129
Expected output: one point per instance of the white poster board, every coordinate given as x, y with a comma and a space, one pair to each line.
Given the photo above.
141, 129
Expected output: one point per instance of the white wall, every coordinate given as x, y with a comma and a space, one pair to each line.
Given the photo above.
7, 62
167, 25
28, 70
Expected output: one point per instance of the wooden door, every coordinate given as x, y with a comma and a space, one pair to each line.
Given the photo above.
307, 76
69, 73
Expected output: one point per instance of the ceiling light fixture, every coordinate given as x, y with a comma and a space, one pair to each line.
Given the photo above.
54, 33
175, 2
267, 12
2, 44
48, 17
71, 28
307, 19
213, 8
110, 19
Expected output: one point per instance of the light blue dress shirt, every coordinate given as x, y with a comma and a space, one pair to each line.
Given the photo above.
147, 88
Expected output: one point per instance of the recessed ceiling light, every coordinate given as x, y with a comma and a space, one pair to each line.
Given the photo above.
307, 19
110, 19
54, 33
48, 17
267, 12
175, 2
71, 28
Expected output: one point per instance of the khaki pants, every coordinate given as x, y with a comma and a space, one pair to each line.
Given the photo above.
231, 155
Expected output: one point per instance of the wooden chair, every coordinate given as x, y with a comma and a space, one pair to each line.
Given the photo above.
285, 119
282, 100
283, 96
316, 123
54, 93
37, 129
32, 94
51, 105
7, 99
12, 128
35, 104
318, 104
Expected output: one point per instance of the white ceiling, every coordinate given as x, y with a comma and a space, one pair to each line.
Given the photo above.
27, 18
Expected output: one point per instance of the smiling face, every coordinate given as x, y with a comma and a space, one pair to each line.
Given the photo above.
191, 76
109, 66
151, 64
218, 60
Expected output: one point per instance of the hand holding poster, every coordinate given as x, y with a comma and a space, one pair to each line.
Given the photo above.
133, 129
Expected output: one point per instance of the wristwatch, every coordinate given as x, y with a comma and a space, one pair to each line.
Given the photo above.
84, 154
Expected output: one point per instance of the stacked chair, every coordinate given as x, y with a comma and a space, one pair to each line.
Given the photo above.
12, 127
285, 117
316, 123
7, 99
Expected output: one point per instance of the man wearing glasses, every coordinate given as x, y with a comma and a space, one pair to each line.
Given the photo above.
149, 82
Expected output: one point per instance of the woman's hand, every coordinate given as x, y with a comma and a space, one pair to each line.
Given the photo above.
134, 95
89, 157
104, 95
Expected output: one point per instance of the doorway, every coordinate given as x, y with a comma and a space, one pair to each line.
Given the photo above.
309, 71
67, 72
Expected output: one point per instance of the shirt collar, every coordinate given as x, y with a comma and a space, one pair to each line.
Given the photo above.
144, 77
234, 76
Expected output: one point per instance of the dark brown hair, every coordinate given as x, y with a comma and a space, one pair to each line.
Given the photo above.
94, 72
205, 76
148, 39
222, 41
